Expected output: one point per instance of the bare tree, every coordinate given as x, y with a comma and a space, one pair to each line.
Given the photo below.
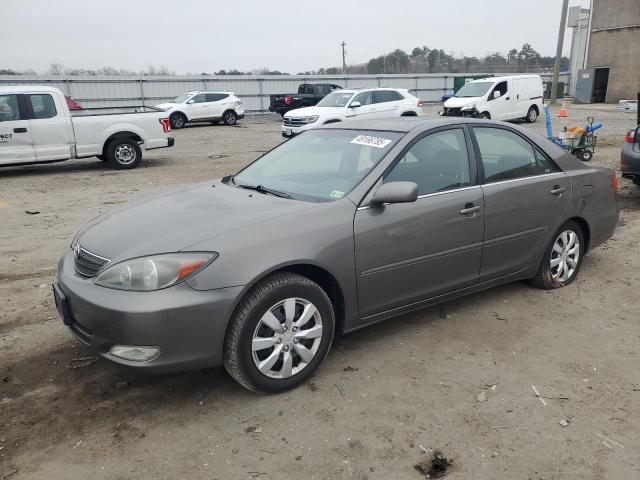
56, 69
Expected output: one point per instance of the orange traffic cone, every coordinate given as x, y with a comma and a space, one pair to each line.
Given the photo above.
563, 110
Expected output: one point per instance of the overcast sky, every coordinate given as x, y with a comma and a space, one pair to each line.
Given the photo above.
206, 36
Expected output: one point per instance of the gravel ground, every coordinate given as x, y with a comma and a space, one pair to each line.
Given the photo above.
457, 379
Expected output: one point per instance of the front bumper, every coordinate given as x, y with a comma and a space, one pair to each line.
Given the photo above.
630, 161
189, 326
292, 131
456, 112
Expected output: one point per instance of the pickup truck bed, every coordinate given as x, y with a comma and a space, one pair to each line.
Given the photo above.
308, 95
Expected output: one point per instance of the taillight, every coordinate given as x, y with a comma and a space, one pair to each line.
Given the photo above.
420, 103
615, 182
631, 136
166, 125
288, 100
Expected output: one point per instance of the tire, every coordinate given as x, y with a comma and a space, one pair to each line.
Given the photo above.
178, 120
547, 277
123, 153
586, 155
102, 158
532, 115
269, 295
215, 122
229, 118
485, 116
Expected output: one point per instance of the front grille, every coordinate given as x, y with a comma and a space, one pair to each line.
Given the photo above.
88, 264
452, 112
293, 122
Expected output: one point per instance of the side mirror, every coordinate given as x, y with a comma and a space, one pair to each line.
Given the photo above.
395, 192
191, 101
355, 105
496, 94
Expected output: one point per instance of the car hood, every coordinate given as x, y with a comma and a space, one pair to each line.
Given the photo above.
166, 106
457, 102
308, 111
176, 220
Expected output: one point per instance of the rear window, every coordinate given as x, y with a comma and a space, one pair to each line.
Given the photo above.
43, 106
216, 97
381, 96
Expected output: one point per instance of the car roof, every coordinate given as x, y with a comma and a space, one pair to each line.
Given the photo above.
397, 124
501, 79
193, 92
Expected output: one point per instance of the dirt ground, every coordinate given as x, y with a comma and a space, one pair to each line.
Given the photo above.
458, 379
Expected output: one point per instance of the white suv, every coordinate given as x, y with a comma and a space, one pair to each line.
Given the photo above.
204, 107
344, 104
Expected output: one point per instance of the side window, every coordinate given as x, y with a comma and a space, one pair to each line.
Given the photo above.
43, 106
365, 98
500, 87
9, 109
382, 96
322, 89
216, 97
200, 98
544, 164
436, 163
505, 155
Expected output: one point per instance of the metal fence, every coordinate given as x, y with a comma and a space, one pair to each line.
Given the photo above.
253, 89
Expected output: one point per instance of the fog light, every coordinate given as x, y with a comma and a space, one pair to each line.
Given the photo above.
133, 353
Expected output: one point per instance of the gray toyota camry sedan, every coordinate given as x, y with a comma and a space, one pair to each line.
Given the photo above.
336, 229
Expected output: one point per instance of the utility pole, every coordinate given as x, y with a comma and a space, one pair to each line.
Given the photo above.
556, 67
344, 58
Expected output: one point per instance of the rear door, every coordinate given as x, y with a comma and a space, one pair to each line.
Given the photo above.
525, 196
49, 127
16, 145
217, 103
197, 107
387, 103
409, 252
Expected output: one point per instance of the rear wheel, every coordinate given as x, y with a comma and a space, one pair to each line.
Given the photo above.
178, 120
562, 259
279, 334
532, 115
229, 118
586, 155
123, 153
102, 158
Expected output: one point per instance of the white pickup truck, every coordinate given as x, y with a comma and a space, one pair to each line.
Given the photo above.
37, 127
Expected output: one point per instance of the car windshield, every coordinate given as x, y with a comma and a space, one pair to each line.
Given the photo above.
319, 165
474, 89
182, 98
335, 99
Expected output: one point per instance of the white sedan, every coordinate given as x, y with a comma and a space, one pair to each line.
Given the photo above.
344, 104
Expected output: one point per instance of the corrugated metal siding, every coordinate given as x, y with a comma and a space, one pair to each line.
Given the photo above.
254, 90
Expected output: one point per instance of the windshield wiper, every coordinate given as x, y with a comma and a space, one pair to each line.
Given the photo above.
265, 190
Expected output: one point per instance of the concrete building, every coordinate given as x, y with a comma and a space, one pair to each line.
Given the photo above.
613, 58
578, 20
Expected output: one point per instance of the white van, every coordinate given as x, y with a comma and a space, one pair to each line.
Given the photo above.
498, 98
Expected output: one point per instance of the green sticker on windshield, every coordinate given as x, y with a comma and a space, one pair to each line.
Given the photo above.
337, 194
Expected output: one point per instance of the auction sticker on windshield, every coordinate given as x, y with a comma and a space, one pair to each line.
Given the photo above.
371, 141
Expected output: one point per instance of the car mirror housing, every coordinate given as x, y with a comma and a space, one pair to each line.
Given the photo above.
355, 105
190, 101
395, 192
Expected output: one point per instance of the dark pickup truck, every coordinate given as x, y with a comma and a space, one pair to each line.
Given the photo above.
308, 94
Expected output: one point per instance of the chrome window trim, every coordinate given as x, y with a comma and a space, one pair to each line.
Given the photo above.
525, 178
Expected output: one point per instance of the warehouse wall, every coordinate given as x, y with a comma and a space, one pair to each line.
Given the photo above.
254, 90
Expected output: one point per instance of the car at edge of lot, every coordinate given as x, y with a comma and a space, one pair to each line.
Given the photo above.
630, 156
199, 106
347, 104
339, 228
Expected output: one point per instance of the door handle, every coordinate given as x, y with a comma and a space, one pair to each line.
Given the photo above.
557, 190
20, 130
470, 209
507, 98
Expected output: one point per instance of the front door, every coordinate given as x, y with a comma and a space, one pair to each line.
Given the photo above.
409, 252
197, 107
49, 127
366, 109
501, 101
16, 145
525, 196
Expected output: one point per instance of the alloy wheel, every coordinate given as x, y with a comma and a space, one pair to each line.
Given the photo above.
287, 338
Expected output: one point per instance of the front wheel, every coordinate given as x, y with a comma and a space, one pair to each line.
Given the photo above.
279, 334
562, 259
123, 153
485, 116
229, 118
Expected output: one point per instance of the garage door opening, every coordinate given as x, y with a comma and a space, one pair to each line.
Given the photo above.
600, 83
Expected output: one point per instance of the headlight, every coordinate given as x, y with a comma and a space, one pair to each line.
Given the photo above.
471, 106
146, 274
311, 119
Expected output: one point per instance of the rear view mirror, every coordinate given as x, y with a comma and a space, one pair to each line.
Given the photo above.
190, 101
395, 192
355, 105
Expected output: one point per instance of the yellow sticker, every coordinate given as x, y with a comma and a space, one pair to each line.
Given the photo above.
337, 194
